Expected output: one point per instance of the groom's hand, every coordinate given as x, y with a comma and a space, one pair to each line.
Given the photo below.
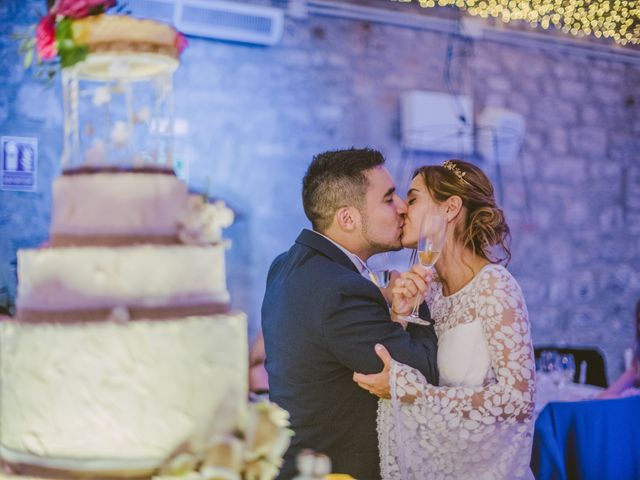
377, 383
409, 289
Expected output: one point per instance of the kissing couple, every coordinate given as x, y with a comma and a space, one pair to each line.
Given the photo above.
383, 397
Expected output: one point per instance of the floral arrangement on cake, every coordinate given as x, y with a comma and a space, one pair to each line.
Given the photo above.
254, 454
202, 222
61, 37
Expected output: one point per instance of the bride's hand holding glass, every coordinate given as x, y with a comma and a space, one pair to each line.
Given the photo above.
386, 288
409, 289
430, 242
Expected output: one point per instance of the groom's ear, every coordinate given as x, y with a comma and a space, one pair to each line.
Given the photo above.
347, 220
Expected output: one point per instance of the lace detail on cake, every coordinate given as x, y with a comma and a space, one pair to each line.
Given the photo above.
456, 432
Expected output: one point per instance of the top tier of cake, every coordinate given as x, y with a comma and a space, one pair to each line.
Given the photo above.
123, 47
119, 99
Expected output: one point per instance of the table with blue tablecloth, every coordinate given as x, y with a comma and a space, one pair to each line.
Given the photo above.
589, 439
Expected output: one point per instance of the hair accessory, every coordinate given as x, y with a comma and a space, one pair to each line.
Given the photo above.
452, 167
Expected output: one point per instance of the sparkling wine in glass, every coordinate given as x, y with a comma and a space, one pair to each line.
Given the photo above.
433, 230
428, 256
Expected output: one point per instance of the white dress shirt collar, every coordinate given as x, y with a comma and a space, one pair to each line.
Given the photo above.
360, 264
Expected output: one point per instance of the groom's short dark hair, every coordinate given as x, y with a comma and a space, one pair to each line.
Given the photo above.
336, 179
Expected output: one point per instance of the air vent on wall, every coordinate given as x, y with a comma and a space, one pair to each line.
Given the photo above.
437, 122
223, 20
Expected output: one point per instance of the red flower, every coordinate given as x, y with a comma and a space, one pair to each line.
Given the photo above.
46, 37
181, 43
80, 8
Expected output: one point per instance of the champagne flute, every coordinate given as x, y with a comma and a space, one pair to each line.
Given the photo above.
431, 240
380, 269
382, 278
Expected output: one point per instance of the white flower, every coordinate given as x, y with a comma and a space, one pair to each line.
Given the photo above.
260, 470
219, 473
182, 464
256, 457
224, 452
101, 96
186, 476
267, 435
202, 223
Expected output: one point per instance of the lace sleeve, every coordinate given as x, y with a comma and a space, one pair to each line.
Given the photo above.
432, 289
509, 397
427, 431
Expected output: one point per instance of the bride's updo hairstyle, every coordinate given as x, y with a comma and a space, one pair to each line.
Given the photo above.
484, 227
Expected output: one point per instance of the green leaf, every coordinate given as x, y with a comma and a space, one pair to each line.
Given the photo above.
23, 47
28, 58
26, 44
71, 56
63, 30
66, 44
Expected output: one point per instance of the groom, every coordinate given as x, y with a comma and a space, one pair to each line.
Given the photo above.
322, 315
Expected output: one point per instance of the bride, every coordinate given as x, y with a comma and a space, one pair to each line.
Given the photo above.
478, 423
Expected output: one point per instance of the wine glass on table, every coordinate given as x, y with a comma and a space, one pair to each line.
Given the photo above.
567, 368
431, 238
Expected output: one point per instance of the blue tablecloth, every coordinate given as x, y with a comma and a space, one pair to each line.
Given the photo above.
591, 440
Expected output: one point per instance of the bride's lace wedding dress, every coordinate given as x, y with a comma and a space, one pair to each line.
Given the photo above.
478, 424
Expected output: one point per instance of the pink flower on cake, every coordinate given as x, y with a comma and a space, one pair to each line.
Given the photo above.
80, 8
181, 42
46, 37
63, 37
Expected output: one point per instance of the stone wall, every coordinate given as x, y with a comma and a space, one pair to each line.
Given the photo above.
256, 116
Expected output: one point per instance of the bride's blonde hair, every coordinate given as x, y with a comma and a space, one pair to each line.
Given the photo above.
484, 227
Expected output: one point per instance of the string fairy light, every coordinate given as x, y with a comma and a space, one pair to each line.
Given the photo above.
615, 19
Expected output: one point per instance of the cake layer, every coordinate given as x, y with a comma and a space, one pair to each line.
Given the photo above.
117, 204
152, 276
108, 397
124, 33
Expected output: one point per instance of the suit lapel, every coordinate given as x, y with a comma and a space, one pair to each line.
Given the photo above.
317, 242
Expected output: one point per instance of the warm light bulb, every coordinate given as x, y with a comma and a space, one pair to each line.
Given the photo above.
600, 18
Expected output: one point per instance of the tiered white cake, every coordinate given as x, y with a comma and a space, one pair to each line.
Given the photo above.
123, 354
120, 356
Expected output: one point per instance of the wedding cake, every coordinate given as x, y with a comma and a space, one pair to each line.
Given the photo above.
120, 357
124, 359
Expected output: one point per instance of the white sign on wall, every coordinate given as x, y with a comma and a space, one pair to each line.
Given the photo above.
18, 163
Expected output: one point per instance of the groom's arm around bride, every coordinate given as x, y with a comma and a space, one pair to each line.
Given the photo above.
322, 316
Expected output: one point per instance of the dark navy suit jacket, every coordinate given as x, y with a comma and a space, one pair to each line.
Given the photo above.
321, 320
